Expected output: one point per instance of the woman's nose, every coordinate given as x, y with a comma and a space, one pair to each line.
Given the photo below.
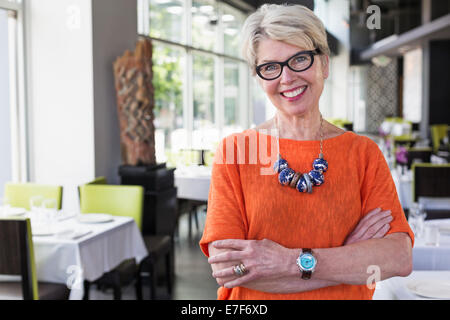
287, 75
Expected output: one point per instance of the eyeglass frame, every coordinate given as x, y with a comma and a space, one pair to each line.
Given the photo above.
311, 53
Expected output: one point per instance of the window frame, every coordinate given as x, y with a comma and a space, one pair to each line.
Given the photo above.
219, 60
18, 103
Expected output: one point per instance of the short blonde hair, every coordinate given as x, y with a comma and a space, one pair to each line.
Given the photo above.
293, 24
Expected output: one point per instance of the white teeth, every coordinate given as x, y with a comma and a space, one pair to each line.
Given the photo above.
295, 93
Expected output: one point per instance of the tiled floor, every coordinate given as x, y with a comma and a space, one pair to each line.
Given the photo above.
193, 280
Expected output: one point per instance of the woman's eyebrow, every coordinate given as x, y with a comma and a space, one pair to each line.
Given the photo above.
273, 60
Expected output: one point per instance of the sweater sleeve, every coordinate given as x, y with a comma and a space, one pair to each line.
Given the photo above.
226, 218
378, 190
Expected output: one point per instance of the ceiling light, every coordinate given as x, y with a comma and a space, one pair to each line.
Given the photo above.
381, 61
227, 18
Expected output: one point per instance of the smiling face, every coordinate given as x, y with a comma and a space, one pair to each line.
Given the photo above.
293, 93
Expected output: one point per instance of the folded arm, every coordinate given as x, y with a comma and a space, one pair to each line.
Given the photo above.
272, 267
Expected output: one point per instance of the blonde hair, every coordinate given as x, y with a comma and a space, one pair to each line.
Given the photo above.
293, 24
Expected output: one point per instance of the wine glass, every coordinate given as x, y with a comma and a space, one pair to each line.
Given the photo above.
36, 208
49, 211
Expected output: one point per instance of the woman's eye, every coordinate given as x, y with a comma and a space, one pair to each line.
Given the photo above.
300, 59
270, 67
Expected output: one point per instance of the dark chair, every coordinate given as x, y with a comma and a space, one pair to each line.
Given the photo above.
432, 181
17, 258
421, 154
190, 207
127, 201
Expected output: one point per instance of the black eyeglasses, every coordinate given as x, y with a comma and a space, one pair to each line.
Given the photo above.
299, 62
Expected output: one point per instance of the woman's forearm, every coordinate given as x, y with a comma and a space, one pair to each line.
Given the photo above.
288, 285
273, 268
361, 262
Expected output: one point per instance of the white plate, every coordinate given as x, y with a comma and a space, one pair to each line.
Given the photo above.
94, 218
42, 231
16, 212
430, 288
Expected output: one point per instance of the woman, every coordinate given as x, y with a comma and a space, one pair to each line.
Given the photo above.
328, 222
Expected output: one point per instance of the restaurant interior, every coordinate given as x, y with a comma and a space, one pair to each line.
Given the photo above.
111, 112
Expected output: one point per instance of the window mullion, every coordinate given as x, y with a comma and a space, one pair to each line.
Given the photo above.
188, 105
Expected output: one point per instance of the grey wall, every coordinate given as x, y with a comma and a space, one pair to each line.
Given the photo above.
114, 27
5, 127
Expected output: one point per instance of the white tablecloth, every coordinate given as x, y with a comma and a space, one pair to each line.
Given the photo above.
396, 288
403, 184
427, 257
70, 261
193, 182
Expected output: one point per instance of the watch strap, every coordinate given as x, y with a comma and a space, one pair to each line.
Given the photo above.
306, 275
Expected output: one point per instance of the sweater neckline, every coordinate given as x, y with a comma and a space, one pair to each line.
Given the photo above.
330, 142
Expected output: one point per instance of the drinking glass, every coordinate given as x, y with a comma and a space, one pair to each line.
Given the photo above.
432, 236
36, 208
49, 212
416, 219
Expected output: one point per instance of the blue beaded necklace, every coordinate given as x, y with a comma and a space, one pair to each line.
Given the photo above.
302, 182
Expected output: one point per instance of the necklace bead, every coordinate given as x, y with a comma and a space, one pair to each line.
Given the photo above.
280, 165
285, 176
295, 179
317, 177
320, 165
302, 182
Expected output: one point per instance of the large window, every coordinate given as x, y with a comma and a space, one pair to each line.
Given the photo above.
201, 82
12, 122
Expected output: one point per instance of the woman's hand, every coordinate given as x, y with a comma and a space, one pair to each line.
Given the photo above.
261, 258
374, 225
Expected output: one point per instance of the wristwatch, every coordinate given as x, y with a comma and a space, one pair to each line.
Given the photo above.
307, 262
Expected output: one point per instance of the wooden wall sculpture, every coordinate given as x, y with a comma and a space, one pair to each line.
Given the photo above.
135, 102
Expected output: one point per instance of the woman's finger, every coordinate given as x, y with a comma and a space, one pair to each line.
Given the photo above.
373, 229
365, 224
382, 232
226, 256
227, 272
240, 280
238, 244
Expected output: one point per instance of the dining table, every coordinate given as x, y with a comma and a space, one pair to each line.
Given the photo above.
193, 182
419, 285
75, 247
436, 255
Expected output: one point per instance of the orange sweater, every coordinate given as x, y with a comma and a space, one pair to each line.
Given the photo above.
244, 204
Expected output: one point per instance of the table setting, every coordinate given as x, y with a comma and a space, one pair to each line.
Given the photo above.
70, 247
419, 285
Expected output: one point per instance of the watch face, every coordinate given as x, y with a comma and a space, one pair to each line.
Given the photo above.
307, 261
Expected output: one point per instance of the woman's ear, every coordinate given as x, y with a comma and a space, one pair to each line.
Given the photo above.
325, 67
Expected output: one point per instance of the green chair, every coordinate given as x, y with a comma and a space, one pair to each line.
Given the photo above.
17, 259
125, 200
112, 199
19, 194
438, 132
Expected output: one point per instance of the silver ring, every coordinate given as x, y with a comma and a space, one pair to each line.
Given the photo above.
239, 270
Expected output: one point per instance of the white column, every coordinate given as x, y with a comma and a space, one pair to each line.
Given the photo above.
73, 127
